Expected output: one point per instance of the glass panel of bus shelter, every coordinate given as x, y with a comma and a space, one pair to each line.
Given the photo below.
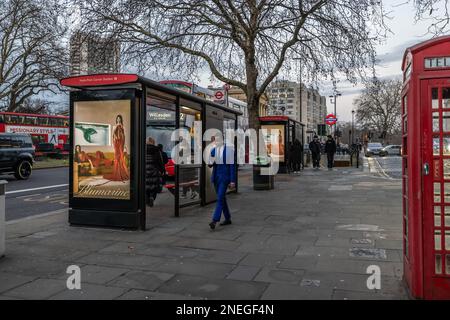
102, 149
160, 123
190, 153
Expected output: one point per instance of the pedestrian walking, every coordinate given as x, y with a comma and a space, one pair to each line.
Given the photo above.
154, 170
223, 176
330, 150
315, 148
297, 156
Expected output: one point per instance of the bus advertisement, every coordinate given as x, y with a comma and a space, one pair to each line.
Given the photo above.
42, 128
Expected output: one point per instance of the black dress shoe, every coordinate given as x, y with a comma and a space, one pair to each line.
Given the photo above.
226, 223
212, 225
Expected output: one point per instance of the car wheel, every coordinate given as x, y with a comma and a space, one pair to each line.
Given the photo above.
23, 170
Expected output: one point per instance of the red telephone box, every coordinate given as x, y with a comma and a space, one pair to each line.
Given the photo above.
426, 169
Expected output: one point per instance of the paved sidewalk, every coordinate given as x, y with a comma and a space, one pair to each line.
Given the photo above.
313, 237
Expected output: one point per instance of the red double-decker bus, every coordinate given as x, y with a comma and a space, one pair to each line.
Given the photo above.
42, 128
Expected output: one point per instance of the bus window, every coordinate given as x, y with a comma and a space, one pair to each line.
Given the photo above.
20, 119
30, 120
43, 121
53, 122
14, 120
2, 118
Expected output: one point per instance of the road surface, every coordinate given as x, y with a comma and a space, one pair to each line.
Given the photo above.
388, 167
45, 191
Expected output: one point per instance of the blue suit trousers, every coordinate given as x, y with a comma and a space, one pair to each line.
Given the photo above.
221, 204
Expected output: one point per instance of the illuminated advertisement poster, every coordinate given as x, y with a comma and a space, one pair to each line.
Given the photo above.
102, 149
274, 145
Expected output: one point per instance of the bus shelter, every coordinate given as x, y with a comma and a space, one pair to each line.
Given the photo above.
289, 130
426, 169
112, 116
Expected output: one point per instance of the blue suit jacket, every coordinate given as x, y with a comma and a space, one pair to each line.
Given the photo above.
224, 172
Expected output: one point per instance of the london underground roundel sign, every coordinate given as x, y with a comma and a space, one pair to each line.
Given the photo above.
330, 119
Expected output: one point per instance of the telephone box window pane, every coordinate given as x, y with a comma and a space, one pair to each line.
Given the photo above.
446, 122
446, 168
436, 126
437, 216
447, 61
437, 240
447, 216
447, 192
437, 170
427, 63
447, 265
437, 192
445, 97
438, 264
436, 146
447, 240
446, 146
434, 98
440, 62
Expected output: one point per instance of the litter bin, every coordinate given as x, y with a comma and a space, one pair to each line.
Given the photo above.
262, 181
2, 217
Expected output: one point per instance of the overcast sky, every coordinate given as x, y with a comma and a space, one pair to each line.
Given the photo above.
405, 33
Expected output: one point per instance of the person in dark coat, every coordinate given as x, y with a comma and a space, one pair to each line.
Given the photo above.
297, 156
165, 161
154, 170
330, 150
315, 147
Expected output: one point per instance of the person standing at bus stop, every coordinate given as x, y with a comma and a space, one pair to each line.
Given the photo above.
330, 150
315, 147
223, 176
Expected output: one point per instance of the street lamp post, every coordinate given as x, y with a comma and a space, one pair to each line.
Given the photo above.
334, 97
353, 126
300, 80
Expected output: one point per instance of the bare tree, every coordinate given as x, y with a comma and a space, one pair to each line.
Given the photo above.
378, 107
244, 43
32, 53
437, 12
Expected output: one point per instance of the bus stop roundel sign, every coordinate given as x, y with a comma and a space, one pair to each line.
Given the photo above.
331, 119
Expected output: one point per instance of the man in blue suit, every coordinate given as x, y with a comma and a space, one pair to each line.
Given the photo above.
223, 176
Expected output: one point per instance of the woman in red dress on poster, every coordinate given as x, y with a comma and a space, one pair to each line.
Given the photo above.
120, 171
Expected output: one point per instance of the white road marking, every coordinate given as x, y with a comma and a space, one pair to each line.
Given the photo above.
40, 188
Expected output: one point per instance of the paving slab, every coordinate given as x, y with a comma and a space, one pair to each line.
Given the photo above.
145, 280
11, 280
37, 290
90, 292
216, 289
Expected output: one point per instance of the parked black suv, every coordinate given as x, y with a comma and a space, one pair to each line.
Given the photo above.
16, 154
